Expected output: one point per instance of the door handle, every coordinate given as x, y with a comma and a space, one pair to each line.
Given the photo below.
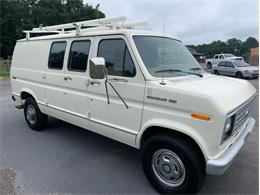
67, 78
94, 83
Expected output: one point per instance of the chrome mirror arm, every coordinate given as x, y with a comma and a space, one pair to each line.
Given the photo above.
118, 94
107, 81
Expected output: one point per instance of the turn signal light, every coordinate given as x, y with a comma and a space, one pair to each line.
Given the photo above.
200, 116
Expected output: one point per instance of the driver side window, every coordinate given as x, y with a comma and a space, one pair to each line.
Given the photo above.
117, 57
229, 64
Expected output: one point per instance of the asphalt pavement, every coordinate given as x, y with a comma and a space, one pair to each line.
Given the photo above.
68, 159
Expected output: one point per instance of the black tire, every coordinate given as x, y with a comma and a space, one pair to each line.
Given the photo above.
40, 120
192, 159
209, 65
216, 72
239, 75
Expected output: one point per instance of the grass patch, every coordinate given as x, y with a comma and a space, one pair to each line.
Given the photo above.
4, 72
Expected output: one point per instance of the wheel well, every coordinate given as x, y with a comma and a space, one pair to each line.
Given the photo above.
209, 63
151, 131
25, 95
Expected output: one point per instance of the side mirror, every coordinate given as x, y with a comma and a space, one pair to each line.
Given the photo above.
97, 68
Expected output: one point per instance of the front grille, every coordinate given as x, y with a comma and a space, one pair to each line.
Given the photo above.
242, 115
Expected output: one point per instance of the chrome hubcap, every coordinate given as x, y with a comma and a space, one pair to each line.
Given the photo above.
168, 167
31, 114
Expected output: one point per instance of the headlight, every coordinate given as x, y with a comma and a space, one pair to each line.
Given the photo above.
248, 71
228, 127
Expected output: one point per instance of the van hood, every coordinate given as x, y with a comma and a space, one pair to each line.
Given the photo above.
227, 92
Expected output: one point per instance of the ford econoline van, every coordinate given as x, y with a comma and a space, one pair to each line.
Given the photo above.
141, 88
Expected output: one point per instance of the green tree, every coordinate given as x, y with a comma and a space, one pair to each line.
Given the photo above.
233, 46
19, 15
250, 43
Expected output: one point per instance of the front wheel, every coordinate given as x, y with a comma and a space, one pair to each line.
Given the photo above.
33, 116
239, 75
172, 165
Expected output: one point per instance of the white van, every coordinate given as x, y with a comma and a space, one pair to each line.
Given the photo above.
141, 88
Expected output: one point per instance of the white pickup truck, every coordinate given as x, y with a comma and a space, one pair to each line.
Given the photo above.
219, 57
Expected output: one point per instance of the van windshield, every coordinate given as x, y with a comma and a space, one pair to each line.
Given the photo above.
166, 56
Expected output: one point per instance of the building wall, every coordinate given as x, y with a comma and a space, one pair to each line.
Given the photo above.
254, 56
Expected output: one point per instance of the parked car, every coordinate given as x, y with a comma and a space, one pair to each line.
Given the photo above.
237, 68
219, 57
141, 88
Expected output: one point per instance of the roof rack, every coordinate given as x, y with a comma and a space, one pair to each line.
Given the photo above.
86, 26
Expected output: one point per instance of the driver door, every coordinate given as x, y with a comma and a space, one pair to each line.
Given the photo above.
127, 80
230, 69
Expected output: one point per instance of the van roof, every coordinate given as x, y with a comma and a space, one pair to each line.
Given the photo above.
107, 31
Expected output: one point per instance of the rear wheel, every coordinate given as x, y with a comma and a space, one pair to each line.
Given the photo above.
172, 165
216, 72
33, 116
239, 75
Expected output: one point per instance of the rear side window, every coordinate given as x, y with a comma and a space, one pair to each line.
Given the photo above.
117, 57
78, 58
216, 57
56, 56
223, 63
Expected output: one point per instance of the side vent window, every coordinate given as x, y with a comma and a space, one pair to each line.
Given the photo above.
78, 57
56, 56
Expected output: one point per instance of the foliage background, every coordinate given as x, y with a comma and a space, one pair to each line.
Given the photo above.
233, 46
19, 15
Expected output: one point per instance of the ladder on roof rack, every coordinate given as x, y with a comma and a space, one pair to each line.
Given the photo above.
85, 26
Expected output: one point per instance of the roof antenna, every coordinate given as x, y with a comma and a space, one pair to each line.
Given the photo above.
163, 83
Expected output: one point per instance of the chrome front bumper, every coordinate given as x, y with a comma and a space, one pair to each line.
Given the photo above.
219, 165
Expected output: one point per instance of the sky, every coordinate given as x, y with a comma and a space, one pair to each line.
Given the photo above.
192, 21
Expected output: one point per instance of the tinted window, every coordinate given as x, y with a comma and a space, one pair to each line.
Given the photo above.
221, 57
216, 57
78, 57
57, 55
117, 57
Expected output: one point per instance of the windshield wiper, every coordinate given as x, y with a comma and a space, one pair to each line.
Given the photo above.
177, 70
